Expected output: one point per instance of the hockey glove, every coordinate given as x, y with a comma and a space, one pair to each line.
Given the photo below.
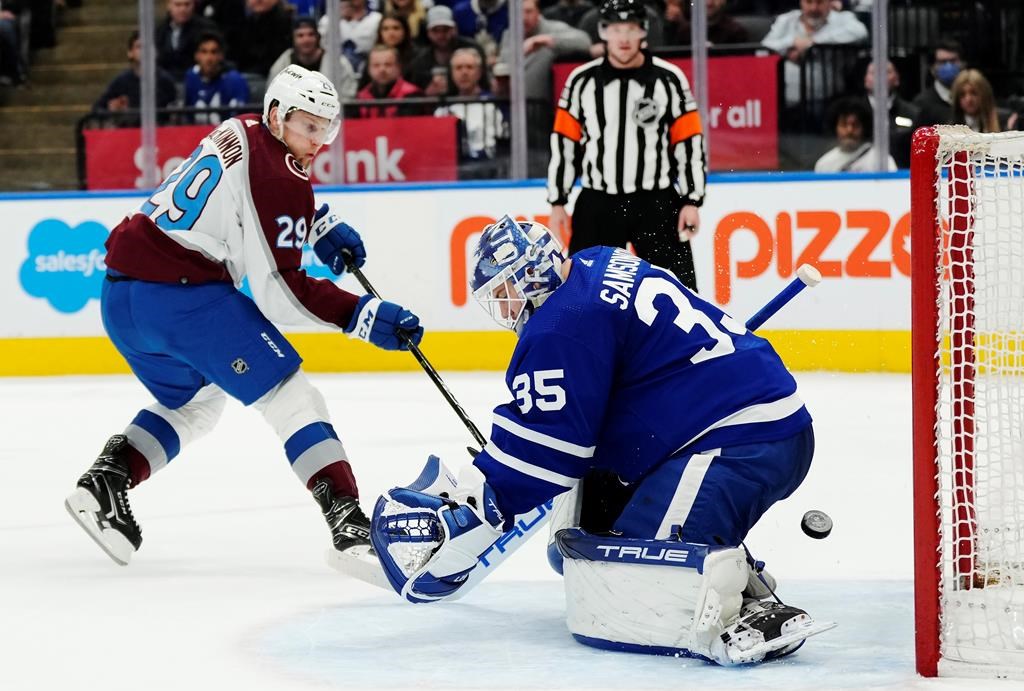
384, 324
334, 241
429, 544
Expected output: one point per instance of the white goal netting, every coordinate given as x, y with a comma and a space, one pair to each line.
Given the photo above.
980, 415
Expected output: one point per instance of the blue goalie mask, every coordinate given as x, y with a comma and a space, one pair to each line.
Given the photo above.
518, 265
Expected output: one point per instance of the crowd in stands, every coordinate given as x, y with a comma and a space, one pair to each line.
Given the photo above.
221, 54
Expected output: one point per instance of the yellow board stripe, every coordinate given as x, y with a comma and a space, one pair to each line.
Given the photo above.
839, 351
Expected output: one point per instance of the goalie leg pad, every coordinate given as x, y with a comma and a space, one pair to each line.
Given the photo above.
652, 596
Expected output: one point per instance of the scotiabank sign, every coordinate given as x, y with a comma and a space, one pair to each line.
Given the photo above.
376, 150
743, 90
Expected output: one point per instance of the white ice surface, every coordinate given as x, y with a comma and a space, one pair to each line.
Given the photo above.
230, 591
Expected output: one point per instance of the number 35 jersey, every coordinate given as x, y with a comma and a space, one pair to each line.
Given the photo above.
239, 206
621, 368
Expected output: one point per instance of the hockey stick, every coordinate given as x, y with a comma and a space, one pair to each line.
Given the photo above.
530, 523
806, 277
424, 363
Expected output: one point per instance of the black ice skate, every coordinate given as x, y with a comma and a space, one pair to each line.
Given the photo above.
766, 630
352, 554
100, 503
349, 525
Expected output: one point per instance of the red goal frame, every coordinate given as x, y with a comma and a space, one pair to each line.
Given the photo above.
930, 254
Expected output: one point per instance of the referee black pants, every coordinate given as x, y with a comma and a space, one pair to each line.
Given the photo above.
649, 220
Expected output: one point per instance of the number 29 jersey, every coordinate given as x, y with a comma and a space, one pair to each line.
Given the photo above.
239, 206
621, 368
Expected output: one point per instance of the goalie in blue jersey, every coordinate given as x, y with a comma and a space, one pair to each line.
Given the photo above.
663, 427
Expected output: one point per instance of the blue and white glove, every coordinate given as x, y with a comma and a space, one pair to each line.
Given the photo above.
428, 544
333, 241
384, 324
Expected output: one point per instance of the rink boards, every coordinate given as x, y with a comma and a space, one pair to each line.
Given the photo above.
755, 231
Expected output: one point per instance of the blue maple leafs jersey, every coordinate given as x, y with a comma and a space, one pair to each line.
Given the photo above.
621, 368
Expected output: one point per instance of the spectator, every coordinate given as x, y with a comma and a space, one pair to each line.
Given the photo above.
429, 70
177, 36
544, 41
722, 28
414, 13
482, 20
793, 32
851, 120
569, 11
386, 81
211, 84
592, 19
975, 106
256, 32
12, 67
902, 113
124, 91
481, 123
394, 32
307, 52
935, 102
358, 31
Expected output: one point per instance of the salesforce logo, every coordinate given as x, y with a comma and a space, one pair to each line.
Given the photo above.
65, 265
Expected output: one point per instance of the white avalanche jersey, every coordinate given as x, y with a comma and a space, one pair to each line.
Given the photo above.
240, 206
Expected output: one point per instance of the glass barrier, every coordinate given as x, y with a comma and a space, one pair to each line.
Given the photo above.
770, 106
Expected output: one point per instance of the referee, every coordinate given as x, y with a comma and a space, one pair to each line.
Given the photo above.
628, 125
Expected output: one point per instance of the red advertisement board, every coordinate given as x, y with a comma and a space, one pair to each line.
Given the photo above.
743, 90
376, 150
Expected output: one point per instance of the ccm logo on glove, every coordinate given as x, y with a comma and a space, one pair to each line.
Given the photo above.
335, 241
384, 324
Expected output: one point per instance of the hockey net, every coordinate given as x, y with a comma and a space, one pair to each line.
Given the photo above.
967, 214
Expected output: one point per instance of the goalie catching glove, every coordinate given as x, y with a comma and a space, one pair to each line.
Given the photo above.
429, 543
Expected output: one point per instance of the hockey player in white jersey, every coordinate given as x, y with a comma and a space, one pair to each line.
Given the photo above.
619, 371
240, 207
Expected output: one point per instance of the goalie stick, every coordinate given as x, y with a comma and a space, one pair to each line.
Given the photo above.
528, 524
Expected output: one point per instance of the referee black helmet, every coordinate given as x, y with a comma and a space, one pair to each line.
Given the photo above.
617, 11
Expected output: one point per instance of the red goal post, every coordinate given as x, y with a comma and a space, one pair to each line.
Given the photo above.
967, 315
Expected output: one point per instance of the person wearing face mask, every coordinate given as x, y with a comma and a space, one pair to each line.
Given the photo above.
935, 102
794, 32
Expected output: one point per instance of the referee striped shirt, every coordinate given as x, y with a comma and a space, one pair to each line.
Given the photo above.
627, 130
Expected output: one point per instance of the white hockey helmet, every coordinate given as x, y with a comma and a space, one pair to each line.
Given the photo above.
296, 88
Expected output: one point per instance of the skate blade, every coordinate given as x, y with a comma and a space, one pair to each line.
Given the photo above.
83, 507
358, 563
799, 633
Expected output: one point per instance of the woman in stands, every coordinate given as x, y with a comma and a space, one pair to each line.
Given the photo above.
974, 104
394, 31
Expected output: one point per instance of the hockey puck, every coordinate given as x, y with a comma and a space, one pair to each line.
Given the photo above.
816, 524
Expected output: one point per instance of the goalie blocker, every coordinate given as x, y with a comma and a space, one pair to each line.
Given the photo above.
613, 585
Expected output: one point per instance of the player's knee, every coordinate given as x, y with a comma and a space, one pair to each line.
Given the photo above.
197, 417
292, 404
206, 408
653, 596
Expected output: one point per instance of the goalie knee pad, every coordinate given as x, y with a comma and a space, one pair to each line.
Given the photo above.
662, 597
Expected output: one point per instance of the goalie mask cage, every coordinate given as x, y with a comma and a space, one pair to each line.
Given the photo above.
967, 215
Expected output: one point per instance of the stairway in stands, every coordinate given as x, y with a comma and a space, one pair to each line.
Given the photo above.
38, 123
